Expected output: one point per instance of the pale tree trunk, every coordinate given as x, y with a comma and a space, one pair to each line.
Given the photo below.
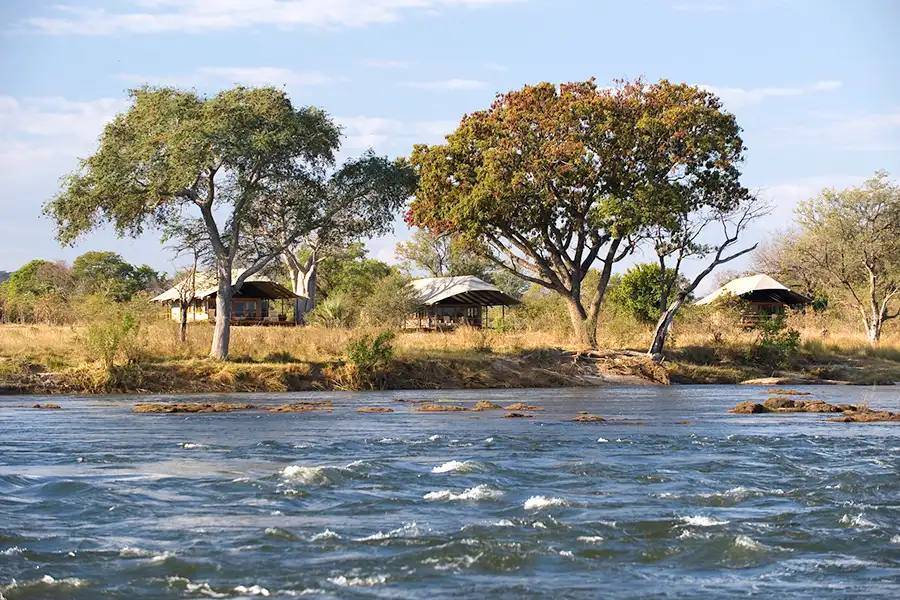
308, 287
222, 331
873, 333
182, 327
661, 332
303, 281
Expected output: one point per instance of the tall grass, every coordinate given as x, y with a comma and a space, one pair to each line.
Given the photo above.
55, 347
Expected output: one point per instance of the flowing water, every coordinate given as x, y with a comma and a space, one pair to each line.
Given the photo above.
97, 502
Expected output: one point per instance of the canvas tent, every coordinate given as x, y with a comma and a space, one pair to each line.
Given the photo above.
764, 296
252, 304
448, 302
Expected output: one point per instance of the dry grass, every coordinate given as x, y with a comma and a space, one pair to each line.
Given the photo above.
703, 348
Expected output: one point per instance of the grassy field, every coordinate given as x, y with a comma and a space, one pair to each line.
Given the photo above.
61, 358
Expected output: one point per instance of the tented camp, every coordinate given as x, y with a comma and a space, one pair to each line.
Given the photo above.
450, 302
253, 304
764, 296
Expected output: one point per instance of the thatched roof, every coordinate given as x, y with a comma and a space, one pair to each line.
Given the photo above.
467, 289
757, 288
205, 286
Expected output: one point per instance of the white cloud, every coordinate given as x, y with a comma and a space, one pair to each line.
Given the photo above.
209, 76
449, 84
497, 67
739, 97
857, 131
391, 134
193, 16
388, 64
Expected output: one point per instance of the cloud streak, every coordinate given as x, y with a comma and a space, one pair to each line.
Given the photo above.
740, 97
195, 16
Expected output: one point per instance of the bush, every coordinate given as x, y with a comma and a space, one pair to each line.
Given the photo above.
333, 312
369, 353
390, 303
776, 343
114, 339
638, 291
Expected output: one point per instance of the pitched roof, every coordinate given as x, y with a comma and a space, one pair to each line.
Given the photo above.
466, 289
205, 285
755, 283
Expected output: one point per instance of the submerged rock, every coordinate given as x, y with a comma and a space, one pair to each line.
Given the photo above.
487, 405
521, 406
375, 409
867, 416
189, 407
515, 415
589, 419
298, 407
48, 406
749, 408
783, 392
439, 408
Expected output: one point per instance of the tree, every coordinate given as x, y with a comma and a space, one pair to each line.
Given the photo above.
850, 240
639, 290
441, 255
224, 157
549, 181
38, 291
109, 275
349, 273
732, 209
359, 200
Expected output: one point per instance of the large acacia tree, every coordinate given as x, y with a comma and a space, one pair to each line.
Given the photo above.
551, 180
174, 154
850, 240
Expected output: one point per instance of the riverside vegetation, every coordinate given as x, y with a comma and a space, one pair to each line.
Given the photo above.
134, 348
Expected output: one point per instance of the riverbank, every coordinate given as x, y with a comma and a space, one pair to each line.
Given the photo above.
56, 360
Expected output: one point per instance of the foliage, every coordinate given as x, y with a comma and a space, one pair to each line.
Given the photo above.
109, 275
776, 343
175, 158
334, 312
114, 336
847, 244
640, 288
349, 273
368, 352
391, 301
550, 180
442, 255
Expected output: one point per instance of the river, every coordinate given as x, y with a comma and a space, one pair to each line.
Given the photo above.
675, 499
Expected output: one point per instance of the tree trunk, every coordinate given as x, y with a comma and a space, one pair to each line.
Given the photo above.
222, 331
182, 328
873, 333
581, 323
308, 289
662, 328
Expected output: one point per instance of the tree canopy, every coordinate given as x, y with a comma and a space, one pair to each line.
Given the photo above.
173, 154
552, 179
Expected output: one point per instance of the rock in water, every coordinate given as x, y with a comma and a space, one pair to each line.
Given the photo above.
749, 408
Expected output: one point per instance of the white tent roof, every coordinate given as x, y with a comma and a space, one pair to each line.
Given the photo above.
744, 285
205, 285
468, 288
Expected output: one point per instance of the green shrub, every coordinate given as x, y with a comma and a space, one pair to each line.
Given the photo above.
368, 353
334, 312
776, 344
113, 339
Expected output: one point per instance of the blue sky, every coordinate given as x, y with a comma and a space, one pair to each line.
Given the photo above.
813, 83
